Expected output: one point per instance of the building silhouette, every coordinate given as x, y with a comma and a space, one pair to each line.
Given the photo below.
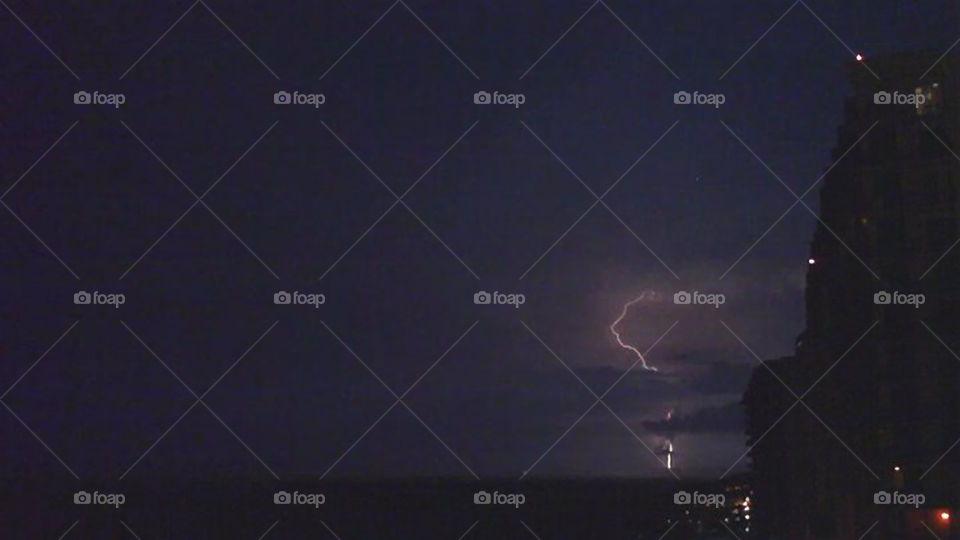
879, 386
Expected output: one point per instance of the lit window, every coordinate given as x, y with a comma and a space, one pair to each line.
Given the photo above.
929, 99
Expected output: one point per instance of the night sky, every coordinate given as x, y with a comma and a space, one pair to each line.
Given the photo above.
303, 198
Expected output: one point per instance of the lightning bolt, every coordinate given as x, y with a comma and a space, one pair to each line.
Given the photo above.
616, 334
668, 442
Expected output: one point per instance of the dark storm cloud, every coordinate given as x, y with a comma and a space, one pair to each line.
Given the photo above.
641, 390
710, 376
722, 419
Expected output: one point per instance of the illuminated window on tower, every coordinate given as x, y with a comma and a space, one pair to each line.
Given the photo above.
929, 99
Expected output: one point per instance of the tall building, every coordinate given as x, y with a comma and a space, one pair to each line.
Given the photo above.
874, 368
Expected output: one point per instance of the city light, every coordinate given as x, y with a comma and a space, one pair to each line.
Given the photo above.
811, 260
859, 57
944, 516
896, 468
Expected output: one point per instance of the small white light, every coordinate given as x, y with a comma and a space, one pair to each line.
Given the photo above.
897, 468
811, 260
859, 57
